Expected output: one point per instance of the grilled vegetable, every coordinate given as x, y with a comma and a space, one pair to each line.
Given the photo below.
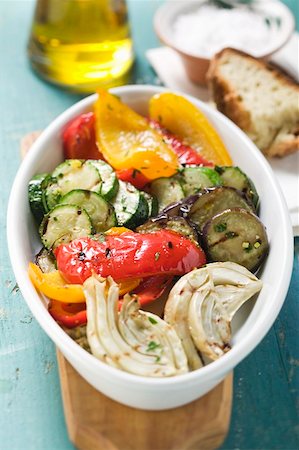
188, 123
236, 178
174, 209
152, 204
70, 315
109, 183
202, 304
127, 140
63, 224
77, 174
45, 261
52, 193
152, 288
186, 154
100, 212
35, 196
79, 141
136, 341
167, 190
54, 286
197, 178
128, 255
131, 207
203, 206
133, 176
236, 235
177, 224
67, 176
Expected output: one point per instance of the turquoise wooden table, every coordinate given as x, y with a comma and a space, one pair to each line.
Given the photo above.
265, 413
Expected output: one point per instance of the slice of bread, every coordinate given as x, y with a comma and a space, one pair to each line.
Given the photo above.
258, 98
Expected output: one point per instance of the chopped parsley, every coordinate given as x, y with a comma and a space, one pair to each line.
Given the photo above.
152, 345
220, 227
157, 256
152, 320
247, 246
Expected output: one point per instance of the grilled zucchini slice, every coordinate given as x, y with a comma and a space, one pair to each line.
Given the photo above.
36, 196
63, 224
234, 177
197, 178
166, 191
130, 205
101, 212
109, 186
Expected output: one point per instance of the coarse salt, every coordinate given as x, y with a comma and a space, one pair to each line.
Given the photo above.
209, 29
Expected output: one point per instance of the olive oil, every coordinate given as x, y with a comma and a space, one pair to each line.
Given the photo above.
81, 44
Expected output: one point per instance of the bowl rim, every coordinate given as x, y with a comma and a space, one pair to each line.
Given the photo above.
162, 17
221, 366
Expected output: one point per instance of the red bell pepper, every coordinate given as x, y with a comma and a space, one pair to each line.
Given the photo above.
129, 255
186, 154
133, 176
79, 140
151, 288
68, 314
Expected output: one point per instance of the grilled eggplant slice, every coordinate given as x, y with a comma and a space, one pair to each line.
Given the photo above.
202, 207
236, 235
63, 224
177, 224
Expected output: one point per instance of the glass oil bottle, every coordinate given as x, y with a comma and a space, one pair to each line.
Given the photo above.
81, 44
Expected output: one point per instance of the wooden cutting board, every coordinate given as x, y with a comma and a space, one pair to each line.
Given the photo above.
95, 422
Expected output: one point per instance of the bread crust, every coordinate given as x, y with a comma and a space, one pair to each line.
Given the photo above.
229, 101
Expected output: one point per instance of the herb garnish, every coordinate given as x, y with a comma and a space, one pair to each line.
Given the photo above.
157, 256
152, 320
247, 246
219, 227
152, 345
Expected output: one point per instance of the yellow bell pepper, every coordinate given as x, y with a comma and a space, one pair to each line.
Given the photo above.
54, 286
128, 285
118, 230
188, 123
127, 141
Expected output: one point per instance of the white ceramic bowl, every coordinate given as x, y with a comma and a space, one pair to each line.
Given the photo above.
252, 322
